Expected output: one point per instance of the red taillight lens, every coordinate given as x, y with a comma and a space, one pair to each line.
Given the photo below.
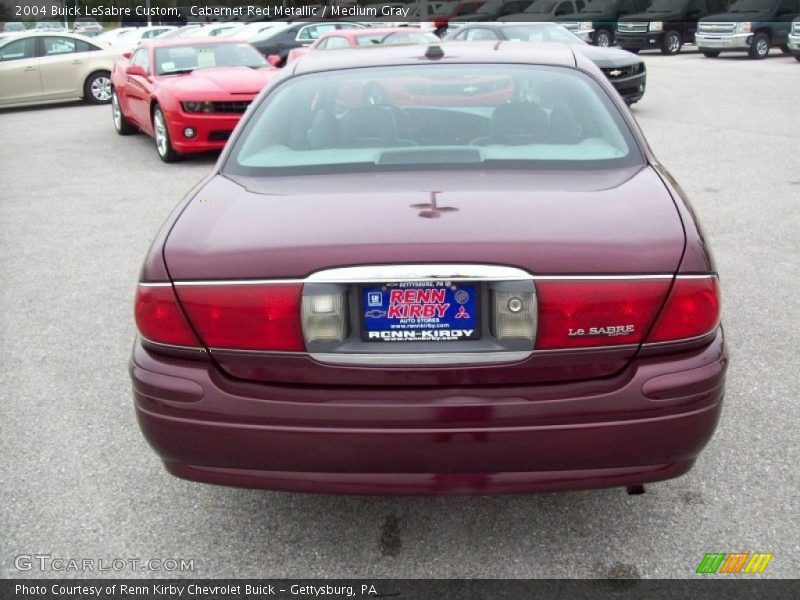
693, 309
245, 317
579, 314
159, 318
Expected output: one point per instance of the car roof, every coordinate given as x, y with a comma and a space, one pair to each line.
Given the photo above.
454, 53
33, 34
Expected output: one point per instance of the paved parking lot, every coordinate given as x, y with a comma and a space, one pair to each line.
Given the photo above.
79, 206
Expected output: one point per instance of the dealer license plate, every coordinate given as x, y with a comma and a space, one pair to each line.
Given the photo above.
421, 311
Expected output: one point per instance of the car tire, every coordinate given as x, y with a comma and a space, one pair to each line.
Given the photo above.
785, 49
121, 124
710, 53
632, 50
603, 38
164, 147
97, 88
672, 43
760, 46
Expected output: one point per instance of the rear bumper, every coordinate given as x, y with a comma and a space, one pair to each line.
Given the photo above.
733, 41
650, 425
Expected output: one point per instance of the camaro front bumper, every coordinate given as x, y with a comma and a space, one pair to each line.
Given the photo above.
647, 423
731, 41
631, 88
211, 131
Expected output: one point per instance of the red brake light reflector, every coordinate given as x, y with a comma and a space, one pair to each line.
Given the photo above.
693, 309
159, 317
586, 313
245, 317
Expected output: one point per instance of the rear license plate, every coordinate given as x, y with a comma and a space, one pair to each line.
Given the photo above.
424, 311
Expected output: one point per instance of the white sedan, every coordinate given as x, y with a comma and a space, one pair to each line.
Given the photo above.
40, 68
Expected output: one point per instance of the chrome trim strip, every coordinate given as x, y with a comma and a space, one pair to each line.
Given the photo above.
420, 360
418, 272
155, 284
459, 275
148, 341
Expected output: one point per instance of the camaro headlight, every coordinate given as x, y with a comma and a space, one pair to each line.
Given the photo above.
744, 27
585, 25
656, 25
196, 106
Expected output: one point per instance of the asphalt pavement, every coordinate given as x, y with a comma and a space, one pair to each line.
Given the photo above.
79, 206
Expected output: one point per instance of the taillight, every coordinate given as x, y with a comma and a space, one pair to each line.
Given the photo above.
692, 310
159, 318
245, 317
585, 313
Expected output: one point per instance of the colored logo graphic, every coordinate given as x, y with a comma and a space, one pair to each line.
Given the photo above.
734, 562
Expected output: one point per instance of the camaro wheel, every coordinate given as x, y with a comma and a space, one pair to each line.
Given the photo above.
97, 88
710, 53
121, 124
603, 38
671, 44
163, 144
760, 46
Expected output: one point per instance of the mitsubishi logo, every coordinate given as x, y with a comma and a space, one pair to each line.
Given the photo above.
431, 210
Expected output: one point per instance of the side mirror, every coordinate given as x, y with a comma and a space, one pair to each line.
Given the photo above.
135, 70
274, 60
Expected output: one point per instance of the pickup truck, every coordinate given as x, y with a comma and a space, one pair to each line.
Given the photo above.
597, 21
794, 39
752, 26
666, 25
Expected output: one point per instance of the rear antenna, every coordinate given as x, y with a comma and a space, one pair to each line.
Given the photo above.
434, 52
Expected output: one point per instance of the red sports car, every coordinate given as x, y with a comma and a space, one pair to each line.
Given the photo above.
362, 38
187, 94
454, 291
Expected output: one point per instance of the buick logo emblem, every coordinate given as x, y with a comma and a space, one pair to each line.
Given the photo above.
431, 210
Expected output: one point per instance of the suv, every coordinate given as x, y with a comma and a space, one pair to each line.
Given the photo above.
753, 26
666, 25
794, 39
597, 22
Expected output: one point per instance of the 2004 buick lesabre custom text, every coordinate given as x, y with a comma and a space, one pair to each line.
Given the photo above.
452, 269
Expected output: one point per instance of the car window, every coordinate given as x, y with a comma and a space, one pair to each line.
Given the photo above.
698, 6
580, 5
18, 50
336, 42
565, 8
433, 116
185, 59
153, 33
478, 34
53, 46
81, 46
786, 7
349, 26
310, 33
141, 58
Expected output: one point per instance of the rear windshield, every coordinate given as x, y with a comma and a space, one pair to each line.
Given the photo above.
434, 116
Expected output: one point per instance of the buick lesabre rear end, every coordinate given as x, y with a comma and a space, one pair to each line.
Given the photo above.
457, 269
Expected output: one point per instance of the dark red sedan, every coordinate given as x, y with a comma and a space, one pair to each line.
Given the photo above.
484, 284
187, 94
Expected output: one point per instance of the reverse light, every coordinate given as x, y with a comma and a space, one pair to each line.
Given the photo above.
324, 317
245, 317
656, 26
744, 27
513, 315
692, 310
159, 318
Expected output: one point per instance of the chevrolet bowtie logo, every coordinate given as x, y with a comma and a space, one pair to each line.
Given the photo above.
615, 73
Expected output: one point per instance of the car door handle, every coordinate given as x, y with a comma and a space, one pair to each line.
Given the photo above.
77, 61
30, 68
